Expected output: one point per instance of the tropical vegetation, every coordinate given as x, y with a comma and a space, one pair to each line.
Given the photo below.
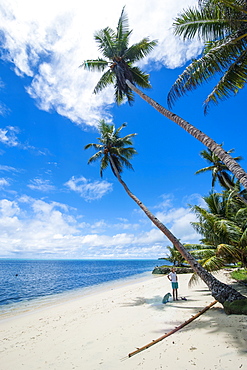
223, 227
174, 257
222, 26
222, 222
240, 275
118, 65
116, 152
221, 174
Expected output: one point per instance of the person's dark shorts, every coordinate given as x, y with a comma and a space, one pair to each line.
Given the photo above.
175, 285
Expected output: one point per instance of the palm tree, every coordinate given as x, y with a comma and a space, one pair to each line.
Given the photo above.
222, 26
120, 71
112, 150
175, 257
223, 226
220, 172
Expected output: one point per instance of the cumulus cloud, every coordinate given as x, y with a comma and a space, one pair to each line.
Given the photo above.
35, 227
47, 41
87, 189
179, 219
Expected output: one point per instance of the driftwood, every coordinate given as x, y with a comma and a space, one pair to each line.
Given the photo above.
172, 331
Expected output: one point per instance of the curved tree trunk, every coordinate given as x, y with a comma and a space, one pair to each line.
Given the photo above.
219, 290
231, 164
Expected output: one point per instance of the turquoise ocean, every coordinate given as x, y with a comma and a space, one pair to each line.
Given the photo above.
24, 283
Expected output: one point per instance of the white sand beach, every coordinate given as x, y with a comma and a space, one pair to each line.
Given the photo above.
99, 330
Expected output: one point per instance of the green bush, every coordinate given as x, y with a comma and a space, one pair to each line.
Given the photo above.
239, 275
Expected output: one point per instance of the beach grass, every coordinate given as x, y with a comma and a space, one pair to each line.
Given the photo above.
240, 275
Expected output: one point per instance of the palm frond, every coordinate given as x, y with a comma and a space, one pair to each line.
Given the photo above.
227, 251
204, 23
194, 279
233, 80
92, 145
95, 64
222, 25
104, 164
106, 79
95, 157
205, 169
123, 25
140, 78
106, 40
140, 50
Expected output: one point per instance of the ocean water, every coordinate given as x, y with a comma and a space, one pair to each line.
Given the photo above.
27, 281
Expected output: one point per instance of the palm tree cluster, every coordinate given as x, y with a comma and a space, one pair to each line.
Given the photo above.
119, 59
222, 26
223, 227
223, 222
112, 150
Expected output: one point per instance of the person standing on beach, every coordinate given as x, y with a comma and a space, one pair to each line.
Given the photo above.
172, 276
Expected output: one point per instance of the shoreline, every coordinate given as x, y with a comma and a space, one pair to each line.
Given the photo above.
24, 307
98, 331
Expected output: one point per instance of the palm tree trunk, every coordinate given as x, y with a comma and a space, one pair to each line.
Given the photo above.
219, 290
233, 166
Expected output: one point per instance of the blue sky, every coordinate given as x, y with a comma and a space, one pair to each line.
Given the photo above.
54, 205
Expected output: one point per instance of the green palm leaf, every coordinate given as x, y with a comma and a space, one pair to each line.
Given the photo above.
139, 50
222, 25
105, 80
106, 40
95, 64
140, 78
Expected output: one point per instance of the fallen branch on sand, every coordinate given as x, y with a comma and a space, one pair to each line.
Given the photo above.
172, 331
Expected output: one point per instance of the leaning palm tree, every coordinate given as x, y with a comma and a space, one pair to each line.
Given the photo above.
112, 150
222, 26
119, 60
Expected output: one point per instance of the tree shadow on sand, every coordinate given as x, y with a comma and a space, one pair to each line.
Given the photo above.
213, 321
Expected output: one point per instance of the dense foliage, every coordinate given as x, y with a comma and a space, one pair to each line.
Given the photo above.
222, 223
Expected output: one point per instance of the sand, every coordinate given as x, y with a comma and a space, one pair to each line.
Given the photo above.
99, 330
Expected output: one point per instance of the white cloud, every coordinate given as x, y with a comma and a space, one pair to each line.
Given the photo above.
8, 136
8, 169
89, 190
41, 185
3, 183
38, 228
49, 40
178, 220
8, 208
